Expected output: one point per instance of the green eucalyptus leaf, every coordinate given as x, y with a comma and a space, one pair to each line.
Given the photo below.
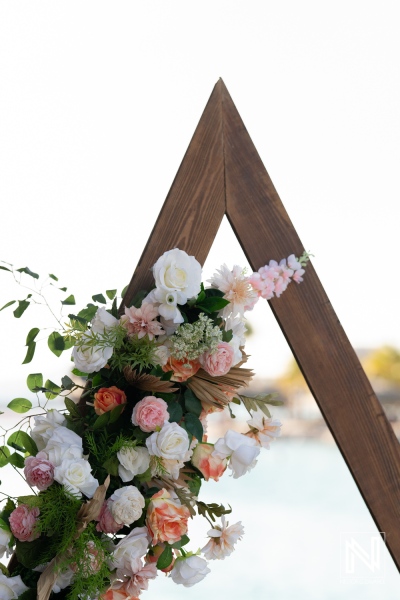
165, 558
22, 306
111, 294
4, 455
101, 421
17, 460
34, 380
53, 390
53, 277
194, 426
67, 383
99, 298
56, 343
88, 312
32, 335
29, 353
8, 304
28, 272
5, 268
69, 301
21, 441
20, 405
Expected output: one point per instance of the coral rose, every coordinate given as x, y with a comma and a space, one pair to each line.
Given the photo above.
22, 523
183, 369
108, 398
212, 467
167, 519
219, 362
117, 595
150, 413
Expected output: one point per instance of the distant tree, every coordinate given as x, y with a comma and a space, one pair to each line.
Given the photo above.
383, 363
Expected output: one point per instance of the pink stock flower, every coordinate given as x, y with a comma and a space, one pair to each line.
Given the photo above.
22, 523
212, 467
219, 362
150, 413
273, 279
140, 321
106, 522
167, 519
39, 471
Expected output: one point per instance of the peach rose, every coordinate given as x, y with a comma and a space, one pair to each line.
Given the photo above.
219, 362
212, 467
183, 369
117, 595
108, 398
166, 518
150, 413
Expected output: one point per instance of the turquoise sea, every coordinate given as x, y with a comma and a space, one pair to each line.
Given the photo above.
297, 507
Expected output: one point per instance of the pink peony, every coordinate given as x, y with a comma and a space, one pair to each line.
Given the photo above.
106, 522
212, 467
219, 362
140, 321
167, 519
22, 523
150, 413
39, 471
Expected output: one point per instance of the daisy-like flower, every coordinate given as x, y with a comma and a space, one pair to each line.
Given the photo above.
263, 429
140, 321
222, 540
236, 288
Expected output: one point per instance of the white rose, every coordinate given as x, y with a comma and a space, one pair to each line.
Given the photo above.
241, 450
161, 355
88, 359
132, 546
75, 475
102, 321
172, 442
189, 570
127, 505
44, 427
132, 461
63, 444
5, 538
176, 271
11, 587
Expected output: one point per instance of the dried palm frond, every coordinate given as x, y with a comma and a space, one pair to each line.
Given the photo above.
148, 383
219, 391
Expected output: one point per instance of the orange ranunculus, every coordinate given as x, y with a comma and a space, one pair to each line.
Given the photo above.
108, 398
183, 369
166, 518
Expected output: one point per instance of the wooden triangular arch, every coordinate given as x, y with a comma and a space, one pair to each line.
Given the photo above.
222, 173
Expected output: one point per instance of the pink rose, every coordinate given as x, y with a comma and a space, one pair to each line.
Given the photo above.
39, 471
150, 413
219, 362
22, 523
107, 399
167, 519
106, 522
212, 467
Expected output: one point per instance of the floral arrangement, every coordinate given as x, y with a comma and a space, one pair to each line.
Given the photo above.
116, 475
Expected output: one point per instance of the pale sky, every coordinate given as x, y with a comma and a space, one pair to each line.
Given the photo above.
99, 100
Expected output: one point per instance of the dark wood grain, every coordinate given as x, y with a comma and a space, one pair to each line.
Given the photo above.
314, 333
193, 210
222, 172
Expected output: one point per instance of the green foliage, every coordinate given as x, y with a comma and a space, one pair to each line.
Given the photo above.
17, 460
34, 380
32, 554
4, 456
99, 298
133, 352
29, 353
260, 401
20, 405
8, 303
111, 294
56, 343
194, 426
32, 335
182, 542
52, 390
69, 301
192, 403
20, 440
22, 306
28, 272
175, 412
210, 511
165, 558
211, 305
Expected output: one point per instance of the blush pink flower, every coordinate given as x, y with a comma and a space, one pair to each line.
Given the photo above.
22, 523
212, 467
222, 540
112, 594
167, 519
39, 471
136, 580
218, 363
140, 321
106, 522
150, 413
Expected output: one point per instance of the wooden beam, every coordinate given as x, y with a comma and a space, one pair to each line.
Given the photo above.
193, 210
313, 331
